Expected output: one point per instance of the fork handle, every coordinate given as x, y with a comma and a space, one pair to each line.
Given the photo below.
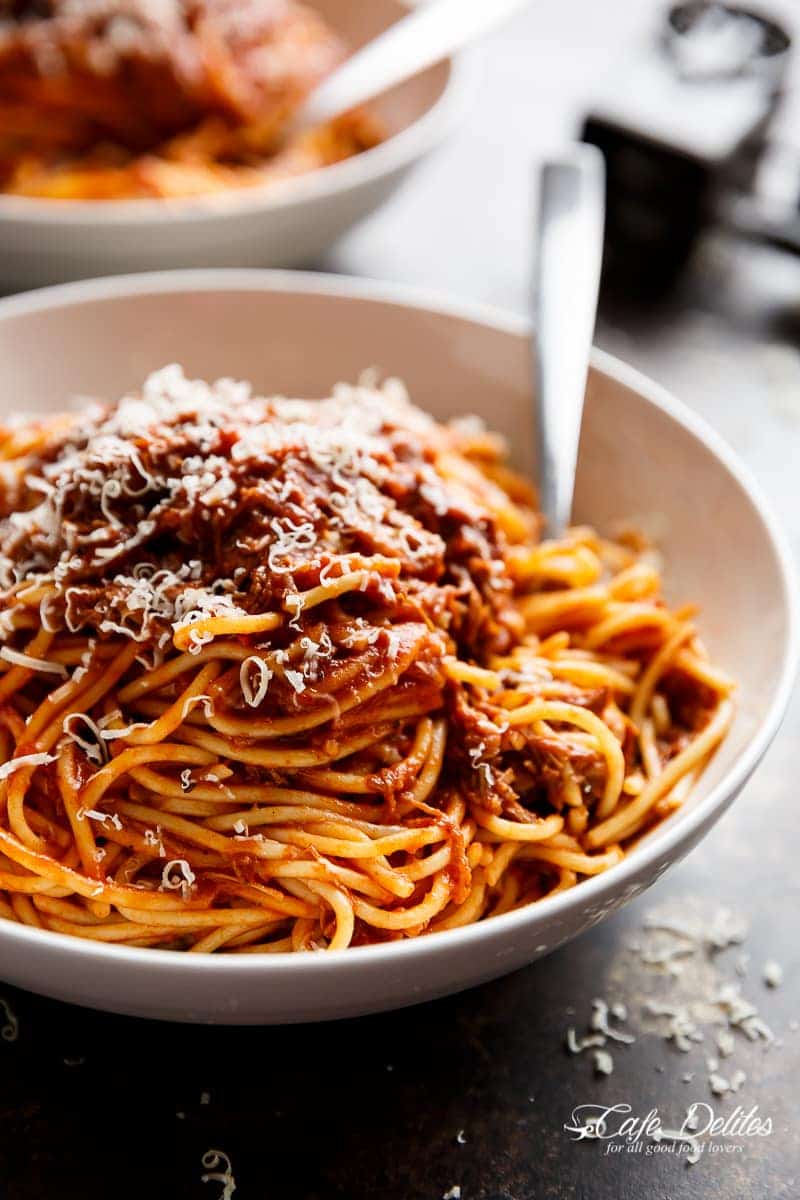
569, 254
426, 36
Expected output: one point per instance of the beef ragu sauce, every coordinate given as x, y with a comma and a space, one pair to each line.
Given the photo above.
188, 501
307, 664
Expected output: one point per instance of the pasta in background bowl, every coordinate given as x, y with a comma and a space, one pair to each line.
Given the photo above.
453, 362
125, 100
179, 160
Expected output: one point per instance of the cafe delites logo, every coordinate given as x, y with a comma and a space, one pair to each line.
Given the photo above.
702, 1131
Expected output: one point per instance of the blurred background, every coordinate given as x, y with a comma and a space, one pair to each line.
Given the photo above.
724, 335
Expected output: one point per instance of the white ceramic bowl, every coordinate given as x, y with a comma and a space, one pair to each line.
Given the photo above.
285, 224
643, 456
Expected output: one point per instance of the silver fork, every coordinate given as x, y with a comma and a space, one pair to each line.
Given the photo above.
565, 287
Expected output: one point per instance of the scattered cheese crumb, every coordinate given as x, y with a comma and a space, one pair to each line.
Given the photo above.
102, 818
603, 1062
184, 880
295, 678
575, 1046
681, 1028
217, 1158
601, 1033
699, 996
10, 1030
95, 750
599, 1022
25, 760
726, 1042
772, 973
32, 664
677, 1135
152, 837
253, 695
743, 1015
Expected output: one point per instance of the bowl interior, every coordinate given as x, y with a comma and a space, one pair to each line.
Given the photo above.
638, 464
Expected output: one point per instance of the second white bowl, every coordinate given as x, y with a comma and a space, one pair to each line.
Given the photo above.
283, 224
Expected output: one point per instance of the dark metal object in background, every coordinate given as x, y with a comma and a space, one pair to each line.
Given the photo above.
684, 127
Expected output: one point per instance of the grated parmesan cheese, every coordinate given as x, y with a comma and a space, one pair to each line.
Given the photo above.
205, 701
32, 664
681, 1028
10, 1030
109, 735
577, 1045
102, 818
603, 1062
599, 1022
183, 881
295, 678
213, 1159
692, 1000
95, 751
253, 696
773, 974
726, 1043
153, 838
25, 760
192, 446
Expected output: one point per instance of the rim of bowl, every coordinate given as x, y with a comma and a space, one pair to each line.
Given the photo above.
399, 150
597, 888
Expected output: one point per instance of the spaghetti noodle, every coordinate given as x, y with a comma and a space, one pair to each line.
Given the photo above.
285, 674
129, 99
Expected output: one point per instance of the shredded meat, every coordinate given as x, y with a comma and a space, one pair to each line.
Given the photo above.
188, 489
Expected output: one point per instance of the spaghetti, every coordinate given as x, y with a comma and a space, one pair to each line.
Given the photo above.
284, 674
129, 99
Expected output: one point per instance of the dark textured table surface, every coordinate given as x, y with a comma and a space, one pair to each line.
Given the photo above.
473, 1092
